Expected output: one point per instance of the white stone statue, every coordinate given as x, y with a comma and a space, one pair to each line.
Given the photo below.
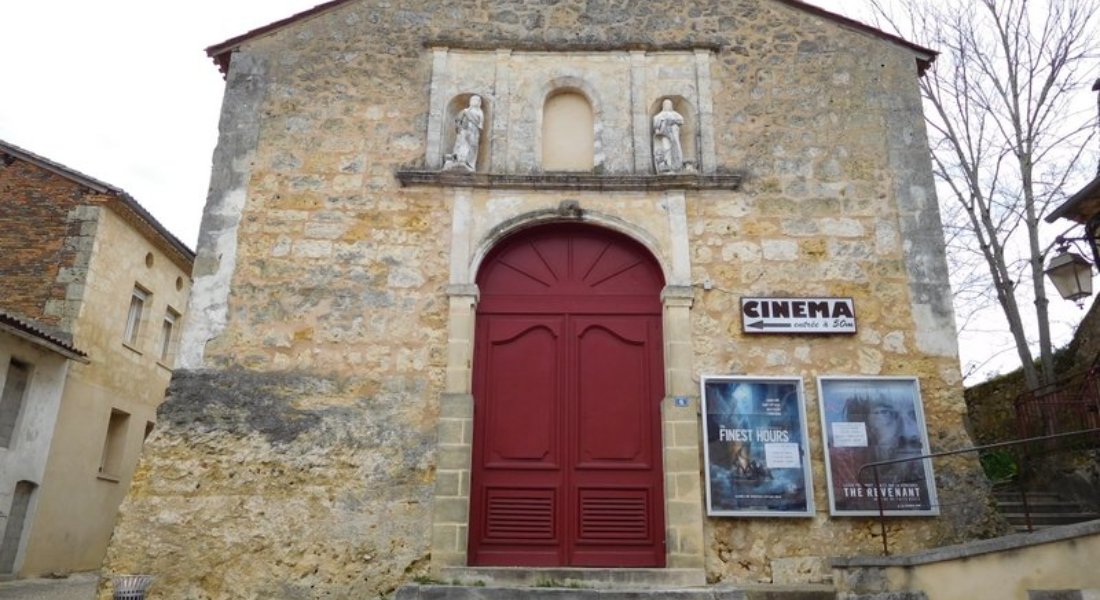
468, 125
668, 154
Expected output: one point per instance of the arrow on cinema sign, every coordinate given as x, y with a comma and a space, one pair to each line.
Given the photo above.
798, 315
763, 325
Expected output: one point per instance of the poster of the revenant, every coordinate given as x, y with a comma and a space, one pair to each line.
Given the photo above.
876, 419
756, 456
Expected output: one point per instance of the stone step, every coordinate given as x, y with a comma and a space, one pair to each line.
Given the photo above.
1051, 518
889, 596
647, 579
1039, 507
458, 592
1002, 497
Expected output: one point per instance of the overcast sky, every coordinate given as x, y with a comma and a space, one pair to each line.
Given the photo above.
121, 90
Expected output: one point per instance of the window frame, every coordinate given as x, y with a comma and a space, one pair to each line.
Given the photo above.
135, 315
114, 445
7, 439
168, 334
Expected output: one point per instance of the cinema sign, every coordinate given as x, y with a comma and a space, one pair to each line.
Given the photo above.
798, 315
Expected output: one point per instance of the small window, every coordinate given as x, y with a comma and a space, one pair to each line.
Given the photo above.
167, 334
11, 400
110, 464
149, 426
133, 319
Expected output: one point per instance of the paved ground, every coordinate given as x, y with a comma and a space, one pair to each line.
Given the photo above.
79, 586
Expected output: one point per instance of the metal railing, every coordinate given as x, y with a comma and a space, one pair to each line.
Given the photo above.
1068, 404
1043, 439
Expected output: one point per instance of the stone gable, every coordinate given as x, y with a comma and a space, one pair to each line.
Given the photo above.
320, 442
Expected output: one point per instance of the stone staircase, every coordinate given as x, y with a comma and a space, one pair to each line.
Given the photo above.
508, 583
1047, 509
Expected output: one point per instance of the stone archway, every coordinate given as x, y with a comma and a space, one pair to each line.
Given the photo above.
470, 248
568, 384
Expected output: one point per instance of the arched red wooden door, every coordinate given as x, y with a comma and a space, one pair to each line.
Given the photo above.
568, 379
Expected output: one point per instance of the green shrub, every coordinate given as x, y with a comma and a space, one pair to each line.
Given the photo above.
999, 465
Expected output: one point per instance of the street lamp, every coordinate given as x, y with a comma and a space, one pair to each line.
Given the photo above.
1071, 275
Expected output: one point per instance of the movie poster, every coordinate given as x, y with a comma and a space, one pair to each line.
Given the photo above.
756, 457
873, 419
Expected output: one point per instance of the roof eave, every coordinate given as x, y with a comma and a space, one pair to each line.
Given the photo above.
924, 56
182, 251
221, 53
1066, 210
25, 330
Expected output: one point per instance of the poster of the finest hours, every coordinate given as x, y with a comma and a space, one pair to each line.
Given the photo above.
873, 419
756, 457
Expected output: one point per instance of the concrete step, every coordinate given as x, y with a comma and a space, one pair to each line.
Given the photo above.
458, 592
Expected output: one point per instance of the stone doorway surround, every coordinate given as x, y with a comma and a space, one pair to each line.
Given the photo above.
510, 191
476, 227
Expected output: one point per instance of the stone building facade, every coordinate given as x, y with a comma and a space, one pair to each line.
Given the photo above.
356, 288
91, 309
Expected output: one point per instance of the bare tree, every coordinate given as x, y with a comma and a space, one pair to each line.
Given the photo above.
1005, 140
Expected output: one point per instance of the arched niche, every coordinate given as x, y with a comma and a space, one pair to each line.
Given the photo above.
457, 105
689, 133
568, 139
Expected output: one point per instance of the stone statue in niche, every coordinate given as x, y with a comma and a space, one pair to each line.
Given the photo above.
468, 125
668, 154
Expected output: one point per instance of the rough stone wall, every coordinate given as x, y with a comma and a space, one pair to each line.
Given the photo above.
297, 458
46, 232
837, 205
269, 497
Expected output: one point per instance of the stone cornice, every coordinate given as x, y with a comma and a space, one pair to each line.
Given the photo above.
570, 181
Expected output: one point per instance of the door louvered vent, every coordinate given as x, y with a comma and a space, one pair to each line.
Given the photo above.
614, 516
518, 515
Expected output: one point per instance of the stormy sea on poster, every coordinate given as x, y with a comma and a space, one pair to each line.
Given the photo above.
755, 447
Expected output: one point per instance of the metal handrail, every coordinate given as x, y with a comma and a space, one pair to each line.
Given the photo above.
1047, 408
1027, 514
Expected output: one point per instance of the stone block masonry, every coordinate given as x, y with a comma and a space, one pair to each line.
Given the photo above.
319, 444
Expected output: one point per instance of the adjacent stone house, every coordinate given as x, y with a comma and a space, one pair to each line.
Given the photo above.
464, 266
91, 306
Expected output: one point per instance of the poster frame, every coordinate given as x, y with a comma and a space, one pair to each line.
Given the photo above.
805, 450
824, 409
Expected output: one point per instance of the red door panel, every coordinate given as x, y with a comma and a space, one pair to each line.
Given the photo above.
616, 475
568, 379
517, 500
612, 395
521, 429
